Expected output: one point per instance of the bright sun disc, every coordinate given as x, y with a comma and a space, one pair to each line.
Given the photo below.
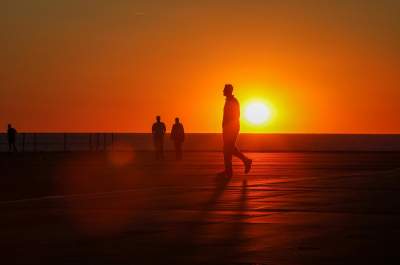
257, 113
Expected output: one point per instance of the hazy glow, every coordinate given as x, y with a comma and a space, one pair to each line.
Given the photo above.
123, 156
112, 66
257, 113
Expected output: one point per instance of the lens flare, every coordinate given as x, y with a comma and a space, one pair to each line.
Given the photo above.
122, 154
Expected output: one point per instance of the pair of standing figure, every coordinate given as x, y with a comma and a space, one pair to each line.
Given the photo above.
230, 133
177, 136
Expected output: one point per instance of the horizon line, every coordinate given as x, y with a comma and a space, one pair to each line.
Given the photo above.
242, 133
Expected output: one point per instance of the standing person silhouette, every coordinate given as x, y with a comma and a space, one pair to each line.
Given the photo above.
178, 136
158, 131
230, 132
11, 137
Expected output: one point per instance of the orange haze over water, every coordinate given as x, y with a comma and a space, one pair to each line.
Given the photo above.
321, 66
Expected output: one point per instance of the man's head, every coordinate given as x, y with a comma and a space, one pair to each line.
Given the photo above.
228, 90
9, 126
176, 120
158, 118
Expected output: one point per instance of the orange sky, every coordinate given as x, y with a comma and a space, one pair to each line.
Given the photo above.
323, 66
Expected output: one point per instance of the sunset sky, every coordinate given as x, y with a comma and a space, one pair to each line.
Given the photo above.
321, 66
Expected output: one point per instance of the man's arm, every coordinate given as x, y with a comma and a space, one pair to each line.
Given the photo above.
228, 109
237, 109
225, 111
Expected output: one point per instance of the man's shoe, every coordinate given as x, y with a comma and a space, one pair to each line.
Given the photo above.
224, 174
247, 165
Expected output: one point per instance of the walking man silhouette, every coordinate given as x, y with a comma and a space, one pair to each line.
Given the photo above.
11, 137
230, 132
178, 136
158, 131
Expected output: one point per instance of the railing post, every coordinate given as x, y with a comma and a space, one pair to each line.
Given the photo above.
104, 141
97, 141
90, 142
23, 142
34, 142
65, 142
112, 142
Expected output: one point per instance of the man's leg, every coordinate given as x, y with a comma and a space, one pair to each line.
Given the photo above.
229, 145
236, 152
15, 147
156, 152
228, 162
161, 148
178, 150
246, 161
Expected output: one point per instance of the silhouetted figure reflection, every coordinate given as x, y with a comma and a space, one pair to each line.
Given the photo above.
178, 136
11, 137
158, 131
230, 132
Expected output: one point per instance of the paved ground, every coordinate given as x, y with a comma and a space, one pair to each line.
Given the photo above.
124, 208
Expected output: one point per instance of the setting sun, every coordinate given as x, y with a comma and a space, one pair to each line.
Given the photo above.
257, 113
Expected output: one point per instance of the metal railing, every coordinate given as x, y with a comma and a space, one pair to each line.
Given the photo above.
100, 141
61, 142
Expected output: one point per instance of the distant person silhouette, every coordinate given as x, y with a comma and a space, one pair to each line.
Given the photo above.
11, 137
230, 132
178, 136
158, 131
